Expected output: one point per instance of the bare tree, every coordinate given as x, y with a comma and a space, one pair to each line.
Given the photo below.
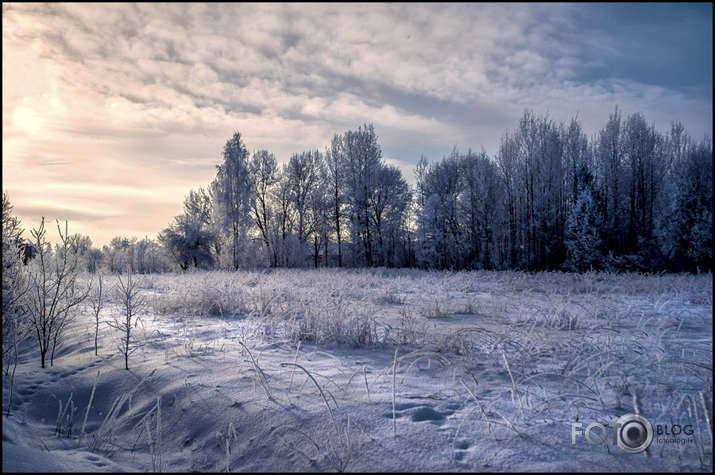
264, 169
133, 303
54, 294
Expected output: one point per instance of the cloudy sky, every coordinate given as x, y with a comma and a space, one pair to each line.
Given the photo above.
113, 112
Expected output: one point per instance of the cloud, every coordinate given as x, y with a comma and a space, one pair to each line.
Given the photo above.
145, 95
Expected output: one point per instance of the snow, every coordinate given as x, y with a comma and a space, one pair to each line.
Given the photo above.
292, 370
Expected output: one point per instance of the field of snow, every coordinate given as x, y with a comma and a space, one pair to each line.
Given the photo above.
374, 370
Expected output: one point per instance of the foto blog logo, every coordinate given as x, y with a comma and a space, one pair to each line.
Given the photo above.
633, 433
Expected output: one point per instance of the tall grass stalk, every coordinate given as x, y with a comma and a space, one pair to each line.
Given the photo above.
708, 419
156, 457
104, 435
295, 360
61, 417
394, 417
260, 376
89, 405
341, 453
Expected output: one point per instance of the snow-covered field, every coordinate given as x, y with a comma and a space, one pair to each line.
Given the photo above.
374, 370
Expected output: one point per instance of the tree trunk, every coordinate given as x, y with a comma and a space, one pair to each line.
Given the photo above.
12, 379
337, 228
126, 346
325, 243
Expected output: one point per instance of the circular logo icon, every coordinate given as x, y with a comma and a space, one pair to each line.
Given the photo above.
635, 433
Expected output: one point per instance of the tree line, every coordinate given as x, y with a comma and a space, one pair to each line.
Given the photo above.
341, 207
629, 198
551, 198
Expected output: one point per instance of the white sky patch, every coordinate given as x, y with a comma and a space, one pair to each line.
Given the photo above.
407, 169
28, 120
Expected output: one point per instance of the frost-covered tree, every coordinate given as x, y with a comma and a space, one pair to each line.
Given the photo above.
141, 248
507, 160
198, 203
335, 186
119, 254
189, 237
459, 225
79, 245
15, 286
687, 235
439, 229
156, 258
583, 240
540, 174
525, 208
303, 176
577, 159
481, 205
367, 198
110, 257
90, 257
363, 162
609, 160
281, 235
95, 259
233, 194
388, 203
645, 167
319, 216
